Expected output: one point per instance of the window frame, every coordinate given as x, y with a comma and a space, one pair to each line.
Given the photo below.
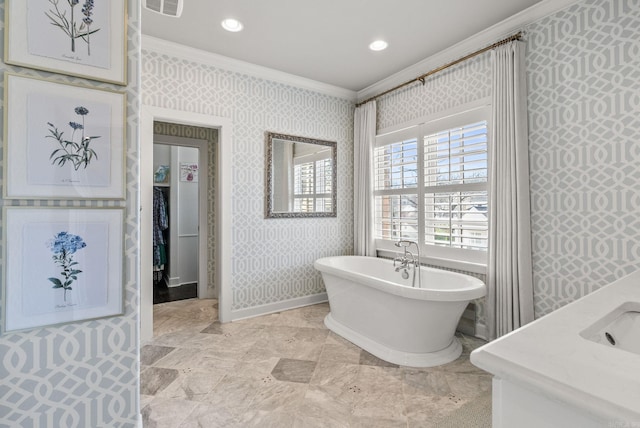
454, 258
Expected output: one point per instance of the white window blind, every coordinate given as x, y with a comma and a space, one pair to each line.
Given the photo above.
396, 183
455, 186
431, 187
312, 186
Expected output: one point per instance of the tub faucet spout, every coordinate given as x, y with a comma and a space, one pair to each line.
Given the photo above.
408, 258
403, 263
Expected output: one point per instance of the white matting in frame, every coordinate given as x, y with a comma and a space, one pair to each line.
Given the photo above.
62, 265
63, 141
85, 38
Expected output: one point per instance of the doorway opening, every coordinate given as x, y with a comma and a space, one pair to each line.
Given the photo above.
179, 189
220, 156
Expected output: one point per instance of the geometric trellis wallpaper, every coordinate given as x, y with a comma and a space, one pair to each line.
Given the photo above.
583, 76
272, 259
584, 140
82, 374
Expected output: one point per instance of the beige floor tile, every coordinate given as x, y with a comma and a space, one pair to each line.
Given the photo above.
430, 383
155, 379
321, 402
166, 412
192, 385
430, 409
266, 419
338, 353
233, 393
278, 396
205, 415
222, 375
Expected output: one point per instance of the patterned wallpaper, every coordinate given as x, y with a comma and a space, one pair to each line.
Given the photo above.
210, 135
272, 259
584, 134
583, 66
459, 85
82, 374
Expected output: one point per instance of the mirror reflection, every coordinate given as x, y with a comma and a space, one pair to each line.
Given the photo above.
301, 177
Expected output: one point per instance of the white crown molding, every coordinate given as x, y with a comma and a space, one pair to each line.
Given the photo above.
219, 61
478, 41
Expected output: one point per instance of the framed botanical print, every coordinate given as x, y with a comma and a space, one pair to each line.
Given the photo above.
63, 141
62, 265
76, 37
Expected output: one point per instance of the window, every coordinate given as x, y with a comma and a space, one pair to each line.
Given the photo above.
431, 186
312, 185
396, 176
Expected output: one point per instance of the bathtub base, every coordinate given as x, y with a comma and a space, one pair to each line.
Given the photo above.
411, 359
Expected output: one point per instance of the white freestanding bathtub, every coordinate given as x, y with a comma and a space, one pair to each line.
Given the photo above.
374, 308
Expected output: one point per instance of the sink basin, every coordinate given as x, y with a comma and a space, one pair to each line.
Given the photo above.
620, 328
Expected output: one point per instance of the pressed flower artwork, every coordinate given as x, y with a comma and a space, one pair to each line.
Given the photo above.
77, 27
63, 246
63, 264
71, 146
77, 153
72, 30
84, 38
64, 141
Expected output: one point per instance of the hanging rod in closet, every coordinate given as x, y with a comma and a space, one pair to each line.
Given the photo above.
422, 78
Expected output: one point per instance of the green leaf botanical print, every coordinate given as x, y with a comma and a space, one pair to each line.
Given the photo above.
63, 246
77, 153
73, 27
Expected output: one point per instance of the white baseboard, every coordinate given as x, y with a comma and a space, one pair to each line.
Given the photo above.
173, 281
139, 424
284, 305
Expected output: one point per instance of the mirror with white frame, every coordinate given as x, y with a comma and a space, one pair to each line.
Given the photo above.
301, 177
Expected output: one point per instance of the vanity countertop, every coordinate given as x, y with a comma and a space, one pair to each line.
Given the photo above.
549, 356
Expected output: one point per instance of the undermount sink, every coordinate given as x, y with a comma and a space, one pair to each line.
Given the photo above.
619, 329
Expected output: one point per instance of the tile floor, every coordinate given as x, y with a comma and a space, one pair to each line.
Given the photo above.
287, 370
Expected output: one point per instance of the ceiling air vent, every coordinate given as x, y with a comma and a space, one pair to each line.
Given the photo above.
171, 8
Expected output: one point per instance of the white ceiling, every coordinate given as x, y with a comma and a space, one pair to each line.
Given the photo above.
327, 40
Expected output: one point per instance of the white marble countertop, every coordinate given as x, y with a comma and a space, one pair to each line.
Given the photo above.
550, 356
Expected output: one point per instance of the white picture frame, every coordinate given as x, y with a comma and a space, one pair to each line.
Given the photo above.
54, 36
63, 141
62, 265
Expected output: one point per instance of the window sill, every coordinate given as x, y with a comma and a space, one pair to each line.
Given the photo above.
460, 265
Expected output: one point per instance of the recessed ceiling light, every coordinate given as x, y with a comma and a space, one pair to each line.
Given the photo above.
378, 45
232, 25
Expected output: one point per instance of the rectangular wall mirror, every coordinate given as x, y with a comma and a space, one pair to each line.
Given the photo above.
301, 177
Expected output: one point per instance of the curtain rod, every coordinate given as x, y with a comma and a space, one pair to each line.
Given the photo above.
422, 78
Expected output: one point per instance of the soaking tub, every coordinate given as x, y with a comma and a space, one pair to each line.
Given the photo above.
373, 307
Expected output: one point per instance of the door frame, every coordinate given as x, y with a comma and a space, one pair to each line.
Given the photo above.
150, 114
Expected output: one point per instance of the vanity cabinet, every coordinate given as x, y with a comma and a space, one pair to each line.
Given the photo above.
553, 372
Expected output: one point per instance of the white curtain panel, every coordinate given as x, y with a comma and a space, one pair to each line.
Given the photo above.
509, 272
363, 140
